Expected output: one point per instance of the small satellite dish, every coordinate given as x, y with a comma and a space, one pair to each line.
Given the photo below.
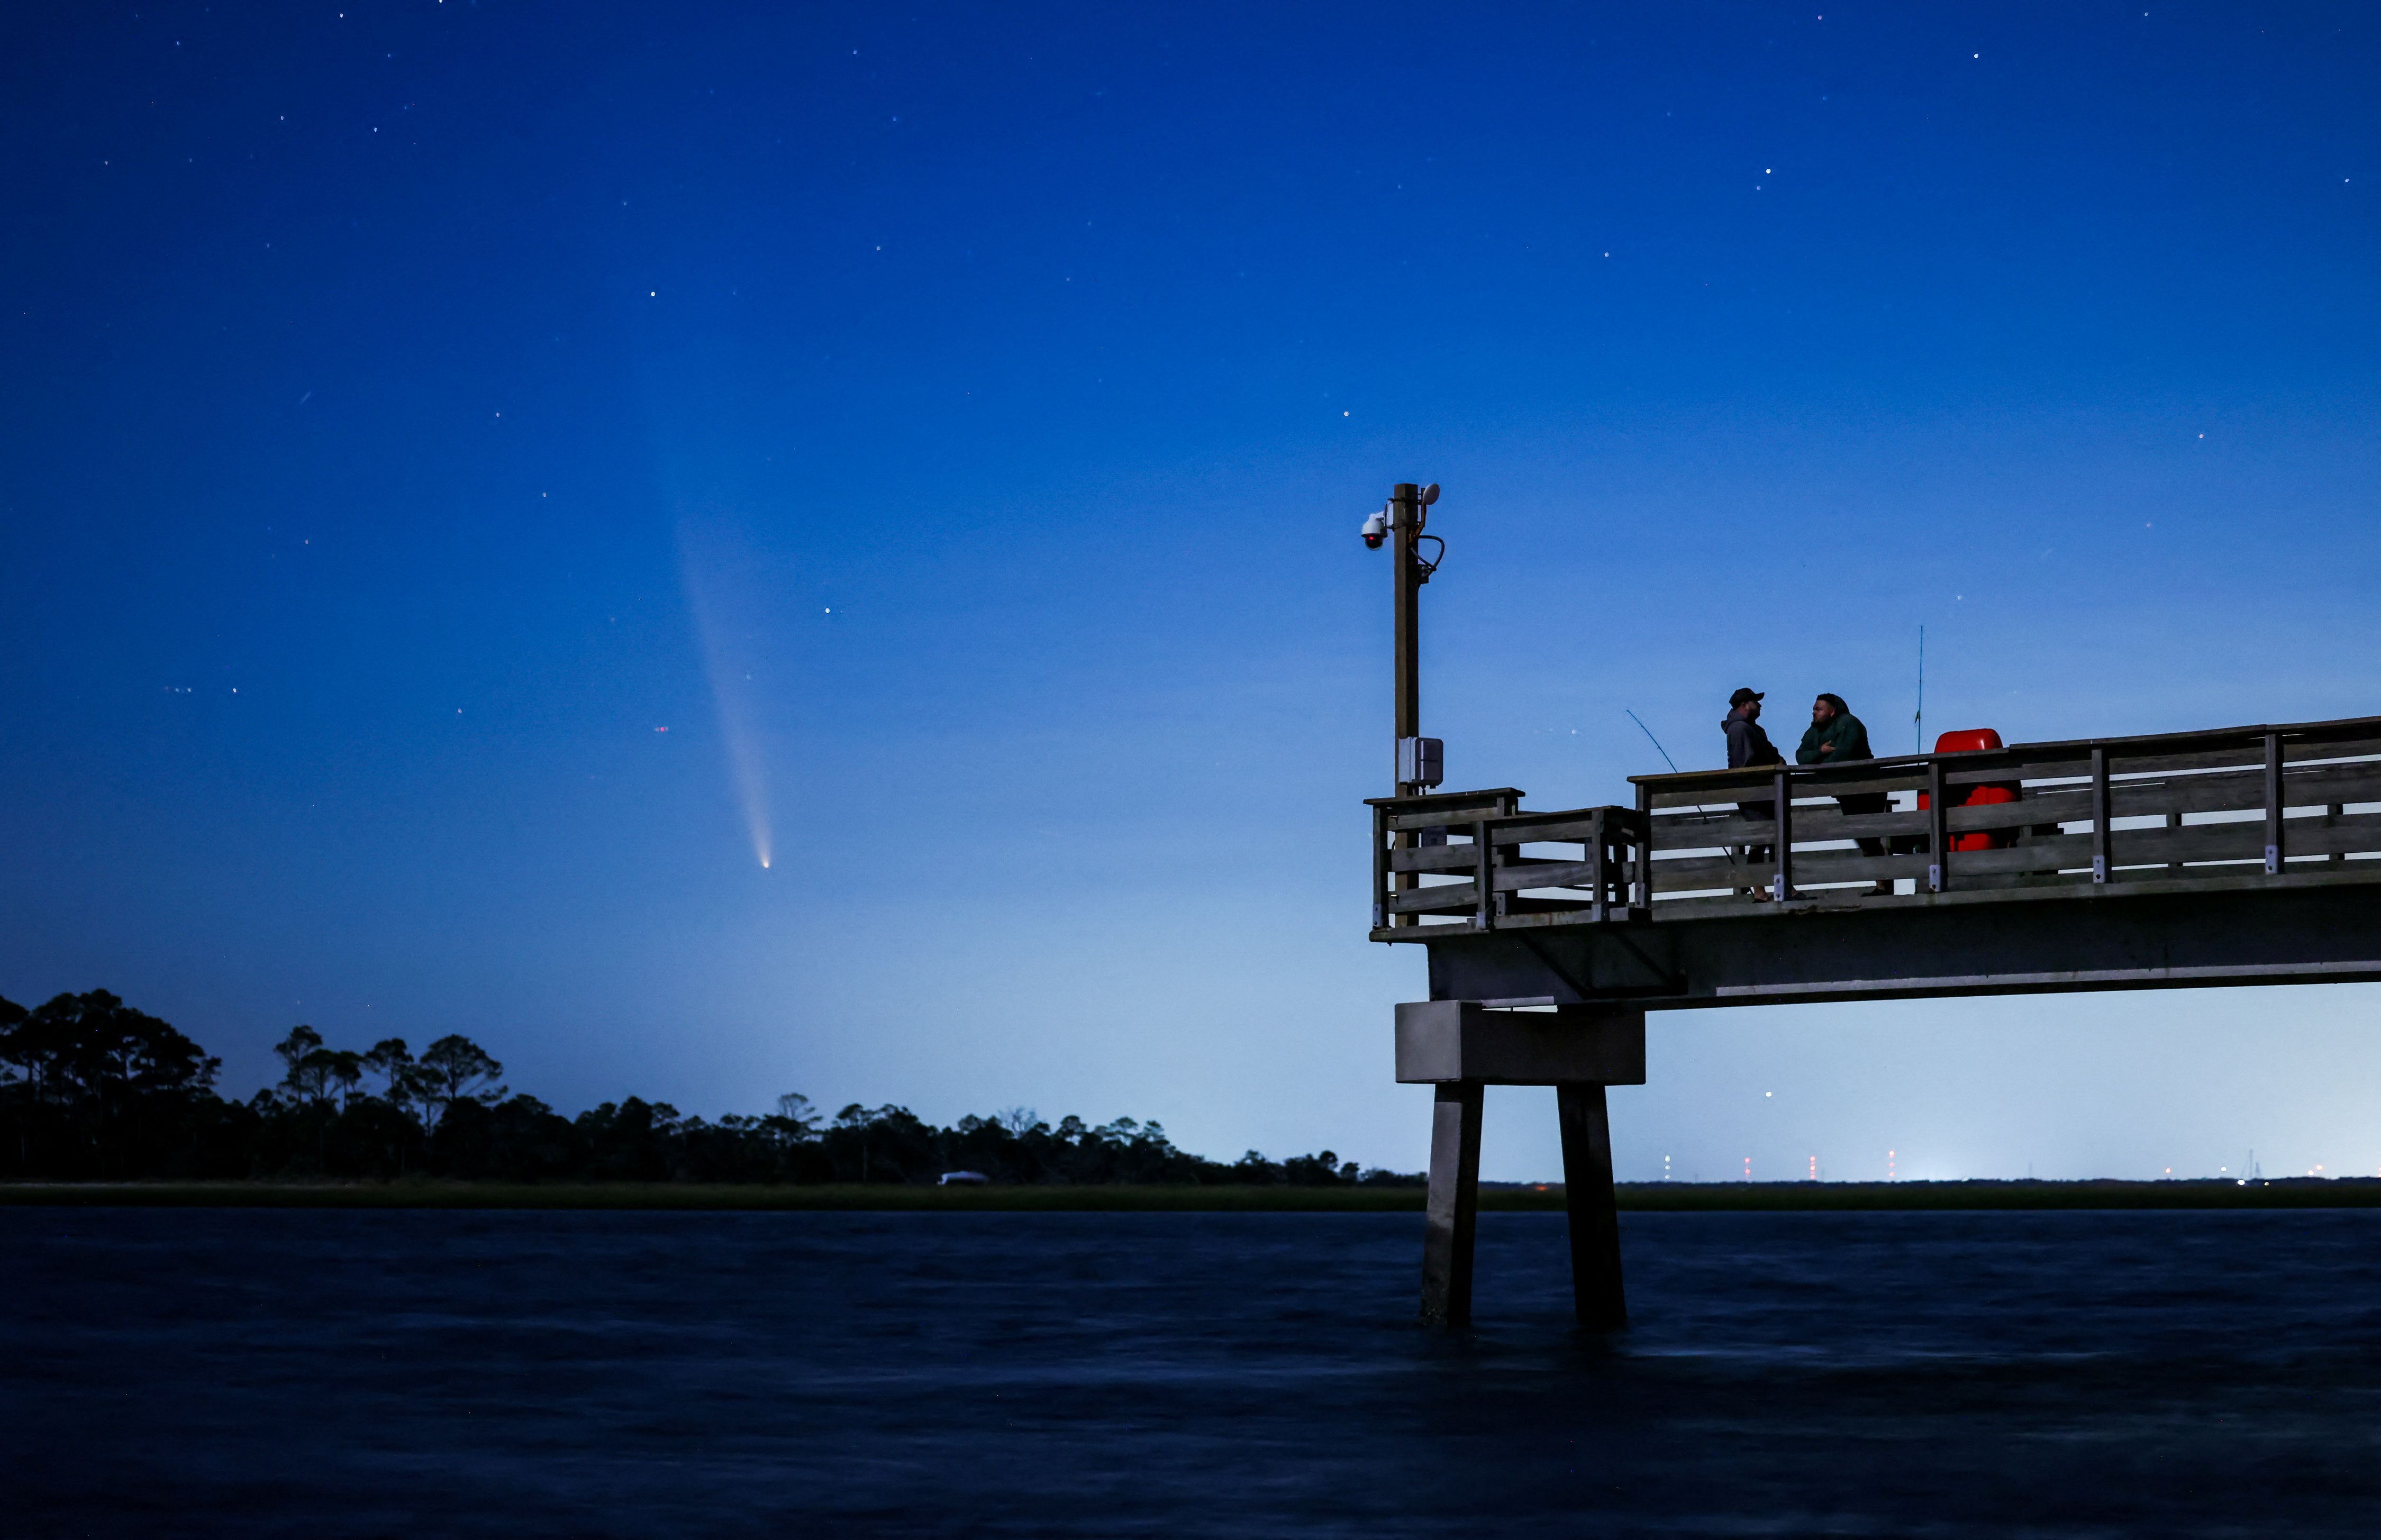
1430, 494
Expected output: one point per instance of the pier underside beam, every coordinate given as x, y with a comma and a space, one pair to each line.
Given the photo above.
1951, 945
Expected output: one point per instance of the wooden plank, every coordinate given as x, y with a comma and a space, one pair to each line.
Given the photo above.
2240, 789
1455, 858
1749, 785
2297, 751
2304, 740
2234, 791
1813, 824
1822, 821
1814, 780
2045, 855
1454, 820
1667, 907
1810, 867
2020, 888
1434, 801
2242, 745
1553, 874
2245, 789
1454, 808
2249, 756
1730, 830
1445, 899
2209, 741
2315, 834
1572, 826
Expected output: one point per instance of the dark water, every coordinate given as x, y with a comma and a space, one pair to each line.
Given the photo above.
436, 1374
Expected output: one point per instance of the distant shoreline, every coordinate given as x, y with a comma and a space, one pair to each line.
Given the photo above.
1640, 1197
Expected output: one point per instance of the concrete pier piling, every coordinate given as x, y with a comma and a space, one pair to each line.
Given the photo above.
1452, 1216
1596, 1290
1461, 1047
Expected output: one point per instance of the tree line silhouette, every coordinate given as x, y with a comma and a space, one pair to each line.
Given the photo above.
93, 1090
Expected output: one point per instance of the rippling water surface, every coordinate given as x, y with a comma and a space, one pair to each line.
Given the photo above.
424, 1374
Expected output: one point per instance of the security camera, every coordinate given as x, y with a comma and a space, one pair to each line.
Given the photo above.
1377, 529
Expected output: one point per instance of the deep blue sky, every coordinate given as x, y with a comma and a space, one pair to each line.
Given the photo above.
951, 424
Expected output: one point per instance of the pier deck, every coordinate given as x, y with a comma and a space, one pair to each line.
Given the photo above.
2237, 856
2241, 855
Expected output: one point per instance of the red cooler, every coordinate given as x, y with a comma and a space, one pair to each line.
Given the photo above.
1984, 795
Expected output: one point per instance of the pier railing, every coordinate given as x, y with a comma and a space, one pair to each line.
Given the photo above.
2290, 805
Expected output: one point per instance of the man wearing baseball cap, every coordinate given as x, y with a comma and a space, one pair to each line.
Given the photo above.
1748, 747
1747, 744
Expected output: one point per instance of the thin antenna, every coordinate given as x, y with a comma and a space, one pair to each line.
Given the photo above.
1918, 723
1655, 741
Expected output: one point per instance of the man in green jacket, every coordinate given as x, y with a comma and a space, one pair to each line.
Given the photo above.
1833, 736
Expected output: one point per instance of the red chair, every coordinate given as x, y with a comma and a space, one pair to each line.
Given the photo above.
1984, 795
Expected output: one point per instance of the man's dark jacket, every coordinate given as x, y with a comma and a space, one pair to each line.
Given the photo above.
1747, 744
1844, 730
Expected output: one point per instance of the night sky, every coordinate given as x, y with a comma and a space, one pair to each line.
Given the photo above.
730, 551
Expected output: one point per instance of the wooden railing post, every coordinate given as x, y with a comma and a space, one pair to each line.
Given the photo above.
1483, 865
2273, 803
1599, 871
2100, 842
1939, 830
1781, 885
1380, 868
1645, 849
1399, 882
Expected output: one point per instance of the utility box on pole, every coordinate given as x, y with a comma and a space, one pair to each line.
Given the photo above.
1421, 762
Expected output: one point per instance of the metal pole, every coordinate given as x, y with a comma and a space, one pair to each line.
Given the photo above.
1405, 524
1404, 516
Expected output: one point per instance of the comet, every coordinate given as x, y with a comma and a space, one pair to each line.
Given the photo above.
745, 770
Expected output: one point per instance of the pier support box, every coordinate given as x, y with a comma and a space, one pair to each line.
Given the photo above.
1441, 1041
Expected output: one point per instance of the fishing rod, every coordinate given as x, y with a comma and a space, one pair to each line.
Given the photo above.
1654, 741
1700, 815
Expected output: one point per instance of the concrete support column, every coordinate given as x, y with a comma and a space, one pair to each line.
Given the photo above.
1452, 1218
1594, 1224
1459, 1048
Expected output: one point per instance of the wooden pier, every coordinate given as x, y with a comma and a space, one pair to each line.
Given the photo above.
2236, 855
2239, 855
